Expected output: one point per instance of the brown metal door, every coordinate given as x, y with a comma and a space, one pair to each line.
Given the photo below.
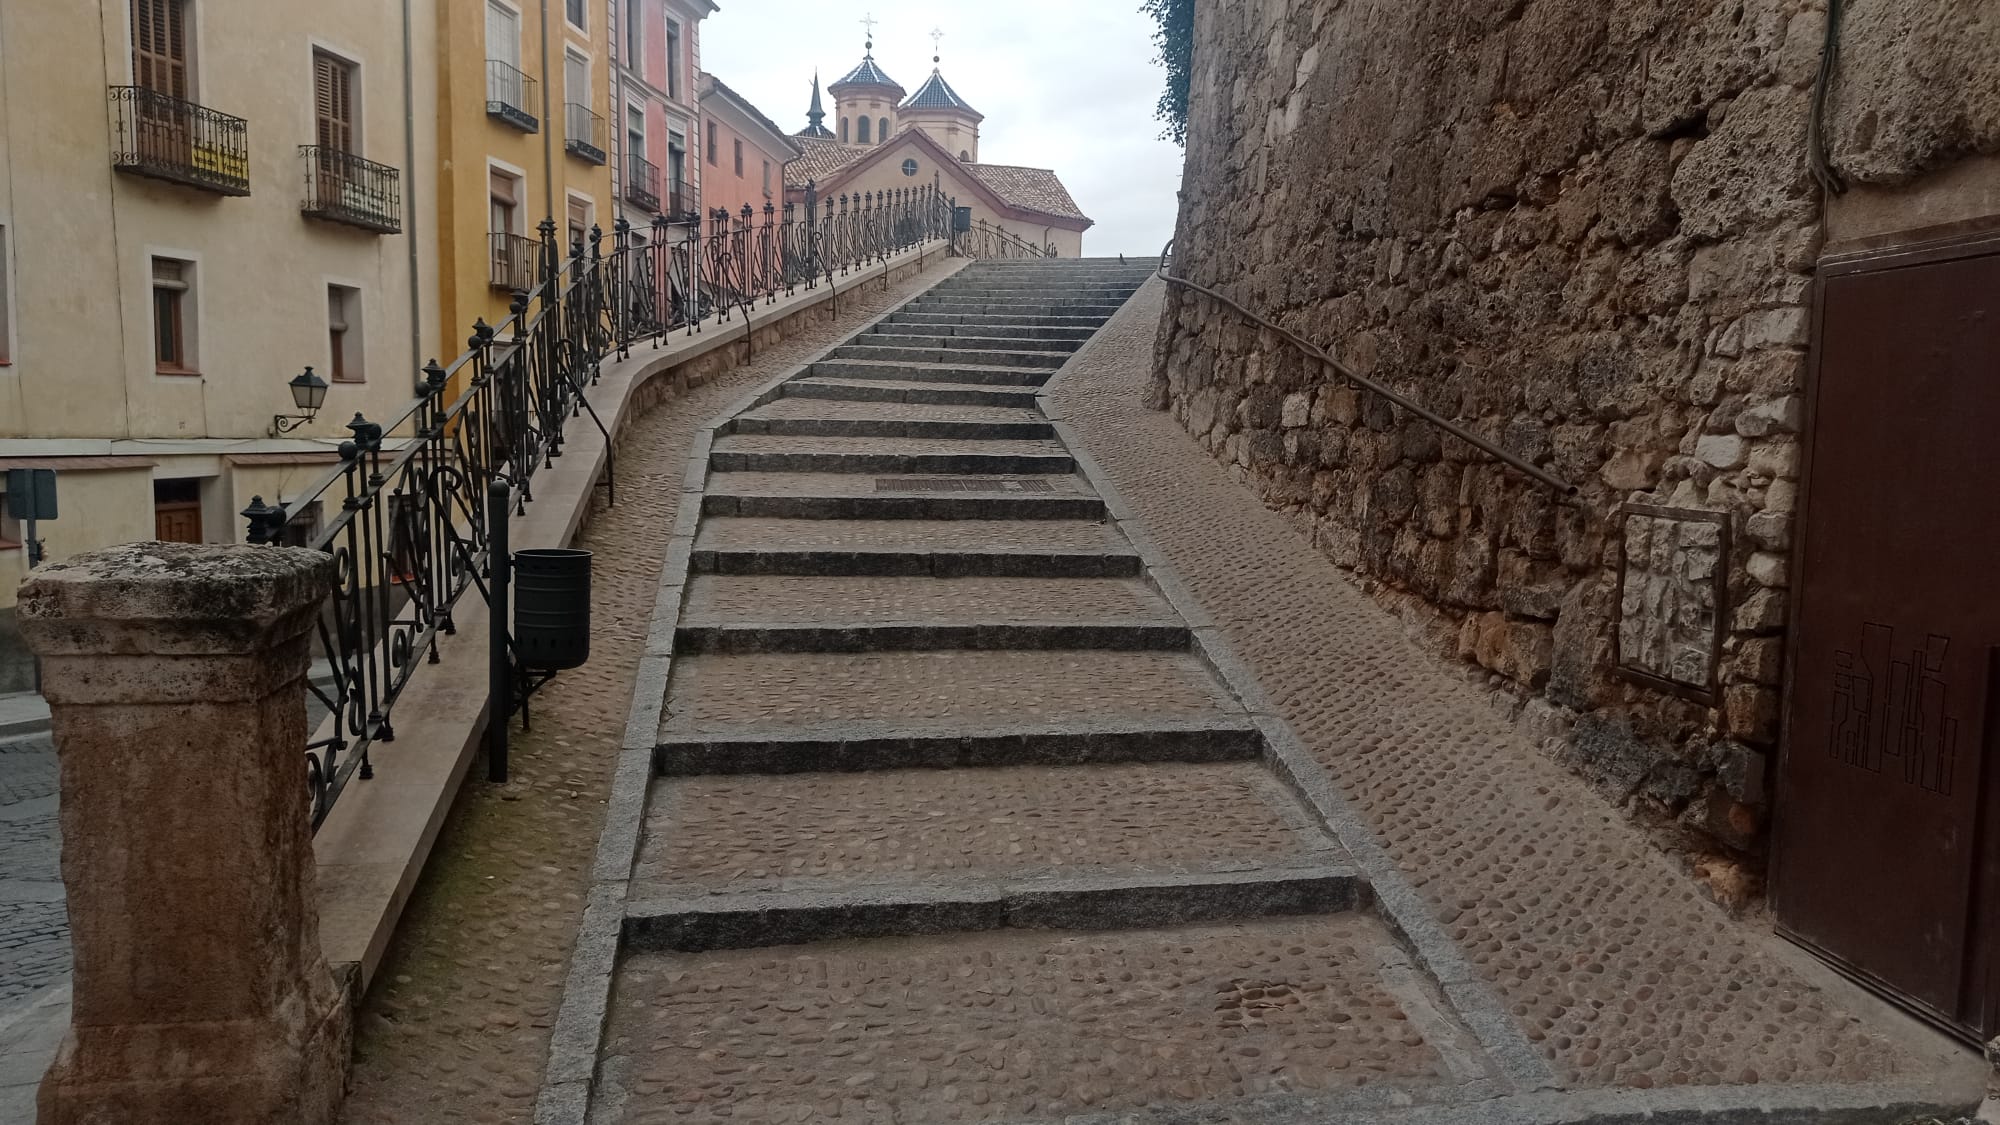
1884, 786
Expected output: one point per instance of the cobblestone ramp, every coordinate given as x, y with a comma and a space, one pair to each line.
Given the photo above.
950, 817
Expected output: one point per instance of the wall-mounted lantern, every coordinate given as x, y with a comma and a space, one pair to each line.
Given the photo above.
308, 394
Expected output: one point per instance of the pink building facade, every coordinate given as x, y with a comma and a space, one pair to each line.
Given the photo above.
656, 143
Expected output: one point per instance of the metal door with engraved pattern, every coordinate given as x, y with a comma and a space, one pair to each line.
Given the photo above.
1885, 858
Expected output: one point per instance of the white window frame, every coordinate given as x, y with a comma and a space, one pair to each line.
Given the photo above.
193, 315
357, 330
583, 28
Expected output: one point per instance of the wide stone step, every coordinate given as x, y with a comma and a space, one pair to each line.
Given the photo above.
934, 694
1105, 293
892, 427
947, 370
937, 548
716, 599
1069, 338
741, 637
1080, 327
768, 453
737, 500
1277, 1019
888, 419
911, 391
839, 832
984, 307
964, 352
981, 344
1224, 738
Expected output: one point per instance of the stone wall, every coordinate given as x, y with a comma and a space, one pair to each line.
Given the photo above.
1586, 231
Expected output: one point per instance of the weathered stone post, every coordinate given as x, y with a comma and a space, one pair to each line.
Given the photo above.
174, 676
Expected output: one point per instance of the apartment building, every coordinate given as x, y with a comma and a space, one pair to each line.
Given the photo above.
745, 154
654, 99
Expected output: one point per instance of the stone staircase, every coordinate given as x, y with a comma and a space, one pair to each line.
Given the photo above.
951, 819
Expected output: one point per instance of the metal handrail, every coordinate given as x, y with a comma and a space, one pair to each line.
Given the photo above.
1542, 476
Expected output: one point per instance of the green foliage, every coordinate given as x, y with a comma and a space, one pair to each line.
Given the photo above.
1175, 39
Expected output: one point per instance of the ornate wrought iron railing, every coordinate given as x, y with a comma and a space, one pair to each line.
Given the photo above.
583, 133
167, 138
411, 534
514, 261
510, 96
344, 188
985, 240
642, 182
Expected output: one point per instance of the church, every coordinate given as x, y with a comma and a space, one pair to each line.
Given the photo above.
883, 138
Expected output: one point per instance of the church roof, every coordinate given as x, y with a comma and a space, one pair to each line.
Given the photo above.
822, 158
867, 74
1031, 189
938, 94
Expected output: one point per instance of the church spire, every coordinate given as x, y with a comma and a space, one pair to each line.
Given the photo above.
816, 116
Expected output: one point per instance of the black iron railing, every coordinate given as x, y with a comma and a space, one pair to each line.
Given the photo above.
412, 535
583, 133
510, 96
642, 182
514, 261
344, 188
985, 240
166, 138
682, 201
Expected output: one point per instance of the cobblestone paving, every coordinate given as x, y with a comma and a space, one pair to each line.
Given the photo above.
728, 831
1608, 956
34, 929
456, 1028
863, 600
962, 690
986, 1027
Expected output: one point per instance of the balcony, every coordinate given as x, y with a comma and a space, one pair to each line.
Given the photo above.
642, 182
583, 133
515, 262
343, 188
165, 138
682, 201
510, 96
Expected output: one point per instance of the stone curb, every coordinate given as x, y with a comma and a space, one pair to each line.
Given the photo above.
1101, 902
988, 506
790, 753
935, 564
1131, 636
574, 1042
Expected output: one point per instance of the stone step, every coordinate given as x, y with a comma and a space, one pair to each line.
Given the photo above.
937, 548
752, 919
961, 353
949, 695
1088, 325
964, 373
910, 391
983, 306
817, 411
715, 599
1106, 293
965, 343
1278, 1019
1069, 337
896, 506
768, 453
802, 426
1075, 742
838, 832
742, 637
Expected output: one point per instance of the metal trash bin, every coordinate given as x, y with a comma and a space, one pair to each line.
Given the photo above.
552, 608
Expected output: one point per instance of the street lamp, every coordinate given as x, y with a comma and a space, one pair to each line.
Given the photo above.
308, 394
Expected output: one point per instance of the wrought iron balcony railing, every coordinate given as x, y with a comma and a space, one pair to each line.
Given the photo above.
642, 182
344, 188
510, 96
683, 202
516, 262
583, 133
166, 138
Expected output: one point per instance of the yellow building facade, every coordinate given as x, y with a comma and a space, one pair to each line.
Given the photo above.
523, 136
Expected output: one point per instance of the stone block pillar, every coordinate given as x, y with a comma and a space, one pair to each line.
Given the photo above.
174, 675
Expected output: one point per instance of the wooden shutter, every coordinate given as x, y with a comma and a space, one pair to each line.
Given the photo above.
160, 47
333, 103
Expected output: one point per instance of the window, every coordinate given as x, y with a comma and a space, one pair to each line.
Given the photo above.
909, 167
333, 103
676, 158
635, 131
843, 130
506, 192
303, 528
673, 59
177, 510
767, 177
173, 317
964, 157
714, 149
579, 223
739, 155
160, 46
882, 134
574, 12
343, 334
633, 10
861, 138
576, 81
6, 302
503, 35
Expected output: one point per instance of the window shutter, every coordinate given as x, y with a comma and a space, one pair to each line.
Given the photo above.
159, 46
333, 103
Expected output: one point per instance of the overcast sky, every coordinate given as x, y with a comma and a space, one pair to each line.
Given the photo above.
1064, 84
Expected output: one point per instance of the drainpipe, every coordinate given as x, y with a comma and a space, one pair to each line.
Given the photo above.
548, 125
410, 192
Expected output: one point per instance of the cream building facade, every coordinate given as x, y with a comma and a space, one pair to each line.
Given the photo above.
199, 199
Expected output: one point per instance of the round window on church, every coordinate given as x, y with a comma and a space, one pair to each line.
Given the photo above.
909, 167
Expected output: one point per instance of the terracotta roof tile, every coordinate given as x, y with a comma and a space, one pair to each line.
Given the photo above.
1035, 189
822, 159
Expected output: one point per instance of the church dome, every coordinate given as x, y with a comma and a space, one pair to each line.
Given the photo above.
865, 76
937, 94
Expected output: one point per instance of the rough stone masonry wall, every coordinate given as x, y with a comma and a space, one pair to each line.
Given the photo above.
1585, 230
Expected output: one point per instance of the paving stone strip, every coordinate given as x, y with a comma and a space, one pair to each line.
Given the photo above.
932, 809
